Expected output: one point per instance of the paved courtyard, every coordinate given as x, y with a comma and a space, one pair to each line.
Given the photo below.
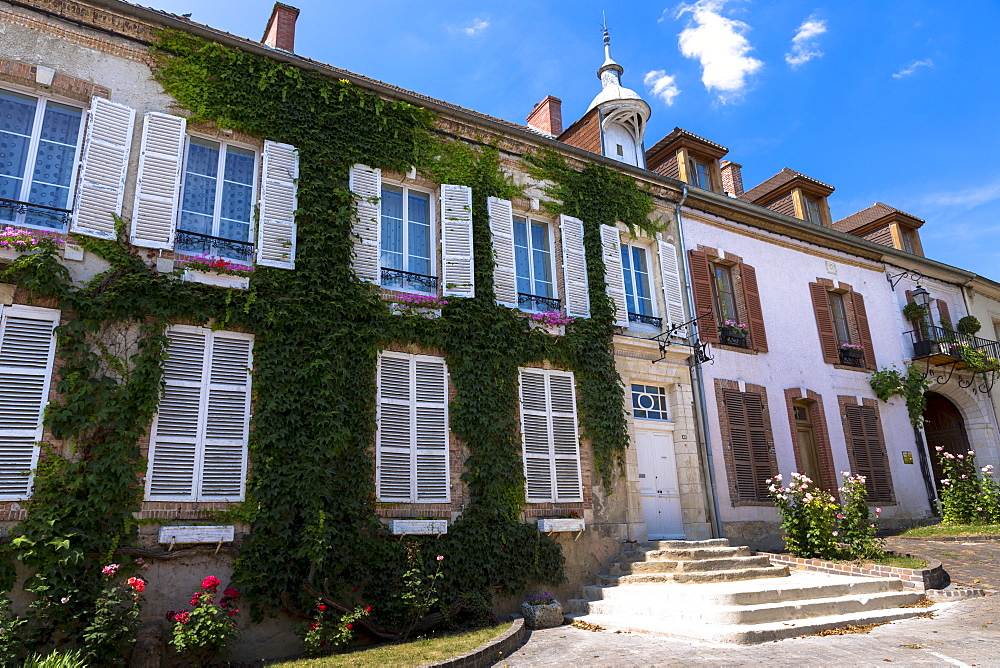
966, 633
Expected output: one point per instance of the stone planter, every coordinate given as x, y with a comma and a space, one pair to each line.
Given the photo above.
219, 280
551, 330
543, 616
561, 524
7, 253
421, 311
419, 527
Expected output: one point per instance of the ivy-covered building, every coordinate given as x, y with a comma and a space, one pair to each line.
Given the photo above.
333, 329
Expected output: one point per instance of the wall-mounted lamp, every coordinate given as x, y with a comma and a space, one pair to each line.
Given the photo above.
921, 297
893, 279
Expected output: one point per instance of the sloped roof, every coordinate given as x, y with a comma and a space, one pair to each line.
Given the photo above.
677, 133
875, 212
779, 180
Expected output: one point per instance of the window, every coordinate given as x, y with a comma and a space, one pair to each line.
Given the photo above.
701, 173
649, 403
198, 442
217, 200
27, 349
39, 142
411, 451
638, 295
812, 210
906, 236
533, 265
996, 330
725, 297
407, 240
866, 450
550, 439
839, 315
750, 457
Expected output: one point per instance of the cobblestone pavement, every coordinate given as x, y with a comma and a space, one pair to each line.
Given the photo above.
966, 633
965, 562
959, 634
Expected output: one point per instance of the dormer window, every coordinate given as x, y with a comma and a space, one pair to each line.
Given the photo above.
700, 173
812, 210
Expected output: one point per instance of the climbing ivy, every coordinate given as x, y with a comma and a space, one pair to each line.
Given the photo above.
911, 385
318, 331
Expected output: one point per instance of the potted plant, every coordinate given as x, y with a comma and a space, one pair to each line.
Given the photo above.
213, 270
914, 312
550, 322
16, 241
735, 332
542, 611
852, 351
425, 306
969, 325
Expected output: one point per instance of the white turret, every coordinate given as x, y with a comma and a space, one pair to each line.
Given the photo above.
622, 112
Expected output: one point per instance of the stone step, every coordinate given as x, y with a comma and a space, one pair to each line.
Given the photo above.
728, 564
696, 612
688, 554
743, 634
693, 577
681, 544
800, 587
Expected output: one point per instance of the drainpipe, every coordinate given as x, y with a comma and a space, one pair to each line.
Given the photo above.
698, 381
925, 469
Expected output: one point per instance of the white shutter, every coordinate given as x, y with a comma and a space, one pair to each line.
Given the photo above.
550, 437
157, 191
27, 350
574, 267
102, 171
614, 274
502, 230
673, 288
227, 417
276, 232
198, 447
456, 241
173, 444
411, 452
366, 184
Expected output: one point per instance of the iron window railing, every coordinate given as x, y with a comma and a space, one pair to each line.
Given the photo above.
931, 340
37, 214
206, 244
537, 302
646, 319
398, 279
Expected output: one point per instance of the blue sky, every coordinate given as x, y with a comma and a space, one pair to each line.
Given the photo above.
886, 101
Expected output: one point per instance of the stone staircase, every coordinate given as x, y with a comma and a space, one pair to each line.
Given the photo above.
709, 590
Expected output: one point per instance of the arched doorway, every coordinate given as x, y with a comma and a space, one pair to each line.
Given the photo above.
944, 427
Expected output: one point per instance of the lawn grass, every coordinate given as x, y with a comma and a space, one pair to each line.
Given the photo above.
413, 653
941, 529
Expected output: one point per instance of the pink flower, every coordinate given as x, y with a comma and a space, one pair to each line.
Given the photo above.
210, 583
840, 516
939, 448
878, 511
110, 569
440, 557
972, 453
194, 600
964, 477
182, 616
961, 456
231, 592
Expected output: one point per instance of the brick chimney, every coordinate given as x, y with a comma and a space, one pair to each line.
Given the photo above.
547, 116
732, 178
280, 31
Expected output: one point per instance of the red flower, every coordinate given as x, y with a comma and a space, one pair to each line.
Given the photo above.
322, 643
354, 588
368, 608
138, 584
182, 617
350, 626
194, 600
210, 583
321, 607
314, 625
231, 592
233, 611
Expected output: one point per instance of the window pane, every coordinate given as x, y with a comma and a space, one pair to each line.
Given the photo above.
17, 116
419, 233
812, 210
724, 292
61, 124
629, 279
392, 228
200, 182
541, 258
522, 256
640, 273
839, 318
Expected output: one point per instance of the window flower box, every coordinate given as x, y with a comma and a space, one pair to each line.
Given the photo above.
553, 330
852, 352
550, 322
210, 270
424, 306
418, 527
551, 524
15, 241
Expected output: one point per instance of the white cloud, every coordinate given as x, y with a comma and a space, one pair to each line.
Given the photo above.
804, 43
718, 43
662, 86
477, 26
912, 67
969, 198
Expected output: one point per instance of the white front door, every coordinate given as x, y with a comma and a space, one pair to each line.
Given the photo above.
658, 488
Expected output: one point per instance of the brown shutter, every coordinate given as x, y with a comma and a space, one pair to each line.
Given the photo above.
870, 458
739, 443
944, 314
824, 323
909, 297
748, 444
861, 318
701, 286
755, 315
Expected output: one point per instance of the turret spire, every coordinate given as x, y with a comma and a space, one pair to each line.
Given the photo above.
613, 69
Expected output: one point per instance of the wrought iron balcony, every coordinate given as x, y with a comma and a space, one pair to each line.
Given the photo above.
734, 336
852, 357
952, 351
193, 242
537, 302
397, 279
39, 215
646, 319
